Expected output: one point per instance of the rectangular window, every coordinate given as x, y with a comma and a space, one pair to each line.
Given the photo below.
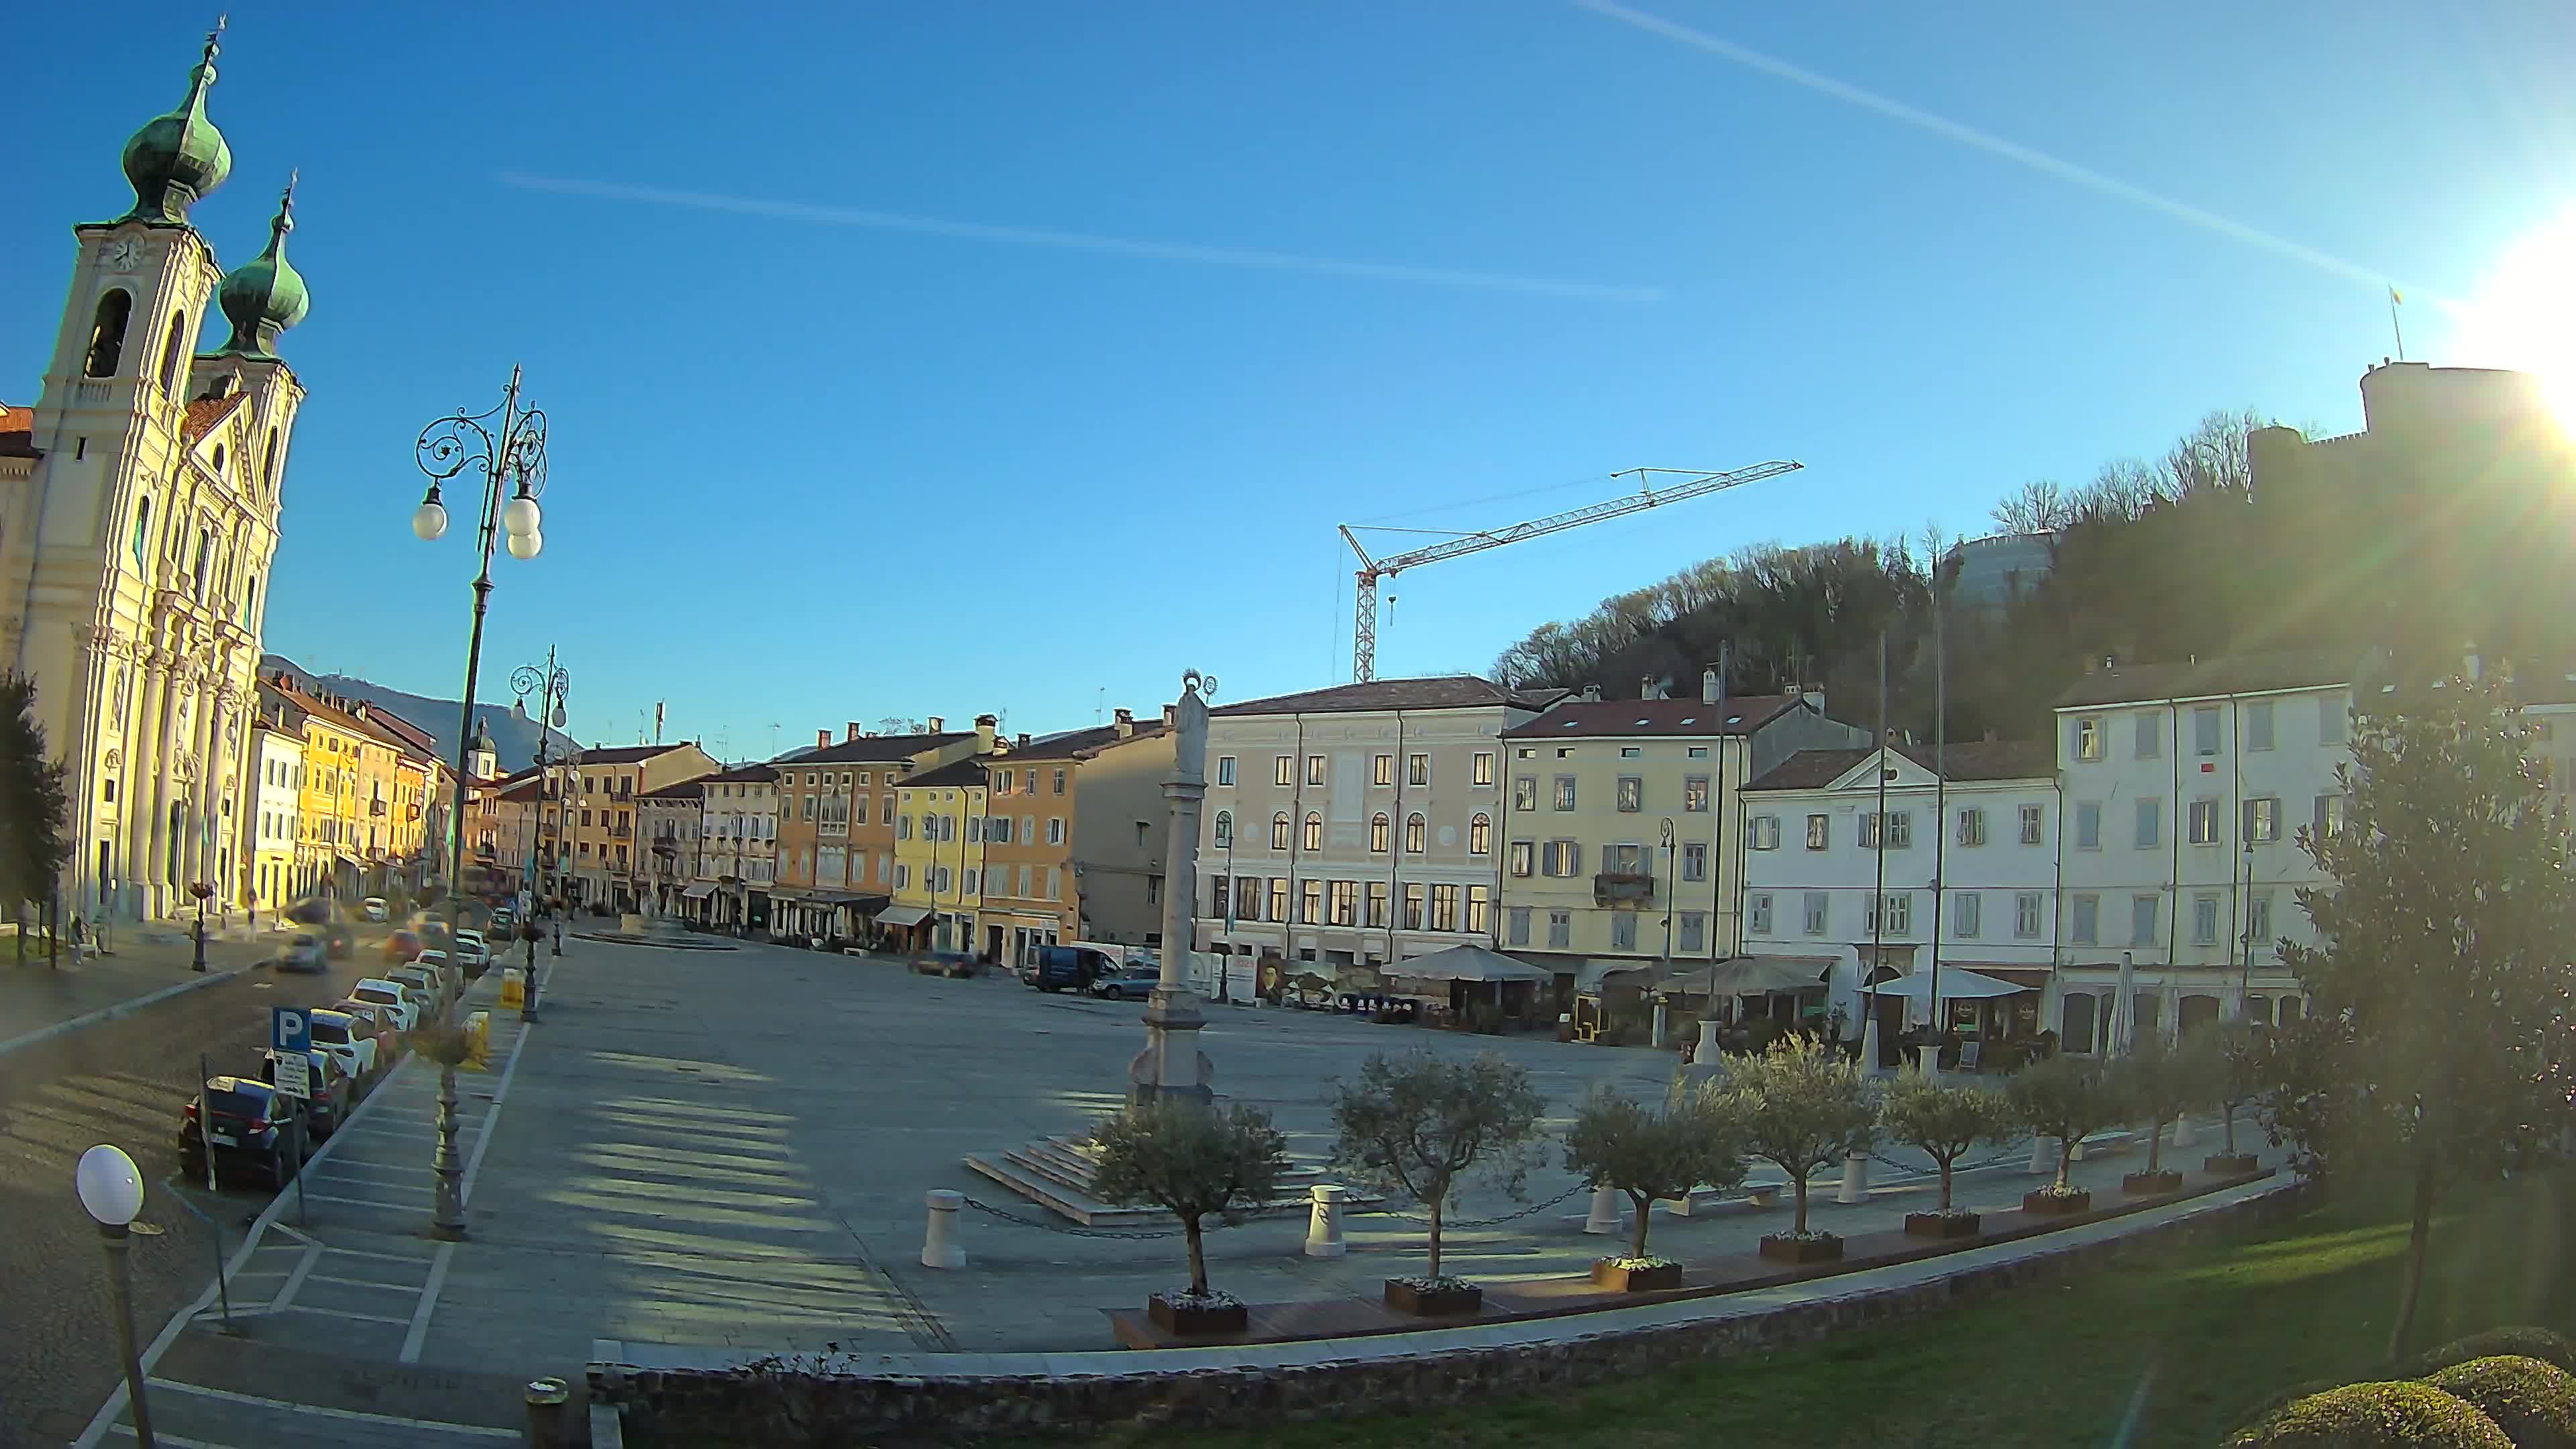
1413, 906
1314, 833
1695, 861
1310, 903
2333, 717
2032, 822
1377, 903
1972, 826
1055, 883
1518, 933
2263, 819
1565, 792
2151, 735
1967, 914
1521, 852
2088, 825
1627, 859
1382, 770
2151, 818
2204, 822
1283, 771
902, 877
1346, 903
2026, 916
1279, 898
1632, 794
1560, 929
2204, 730
2328, 820
1694, 934
1757, 913
1623, 931
2088, 739
1059, 783
1820, 831
2085, 920
1055, 830
971, 877
1889, 915
1417, 769
1225, 769
2258, 922
1484, 772
1819, 912
1314, 769
1524, 792
1631, 752
2258, 725
1480, 905
2142, 919
2204, 919
1247, 896
1762, 832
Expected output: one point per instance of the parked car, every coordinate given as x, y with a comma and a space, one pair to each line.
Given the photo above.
951, 964
311, 912
422, 980
244, 1123
371, 1020
1073, 967
332, 1093
1132, 982
402, 946
392, 999
374, 906
302, 952
472, 953
345, 1037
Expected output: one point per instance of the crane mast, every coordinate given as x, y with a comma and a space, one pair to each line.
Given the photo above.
1696, 483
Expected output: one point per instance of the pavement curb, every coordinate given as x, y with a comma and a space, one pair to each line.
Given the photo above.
122, 1009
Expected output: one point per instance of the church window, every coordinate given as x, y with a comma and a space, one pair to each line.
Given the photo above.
107, 333
142, 531
219, 459
268, 464
205, 558
174, 349
250, 603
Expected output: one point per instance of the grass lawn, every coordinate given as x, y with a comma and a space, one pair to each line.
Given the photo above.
2187, 1341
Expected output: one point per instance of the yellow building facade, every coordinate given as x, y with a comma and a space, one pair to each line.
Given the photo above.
939, 857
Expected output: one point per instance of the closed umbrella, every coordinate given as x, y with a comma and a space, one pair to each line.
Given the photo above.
2124, 1007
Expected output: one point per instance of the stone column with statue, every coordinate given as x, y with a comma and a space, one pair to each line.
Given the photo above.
1171, 1065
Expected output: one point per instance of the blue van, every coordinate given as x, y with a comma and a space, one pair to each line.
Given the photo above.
1071, 967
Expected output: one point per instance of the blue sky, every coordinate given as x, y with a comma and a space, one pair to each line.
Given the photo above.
872, 437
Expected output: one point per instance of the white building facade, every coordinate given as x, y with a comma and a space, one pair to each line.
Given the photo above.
1296, 868
274, 823
1961, 867
738, 858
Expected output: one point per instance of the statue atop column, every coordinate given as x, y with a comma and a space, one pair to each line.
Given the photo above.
1171, 1065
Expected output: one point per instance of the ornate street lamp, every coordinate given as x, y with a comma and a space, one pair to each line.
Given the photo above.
507, 445
549, 684
111, 1192
202, 892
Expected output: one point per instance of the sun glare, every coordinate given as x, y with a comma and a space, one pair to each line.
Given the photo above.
2524, 315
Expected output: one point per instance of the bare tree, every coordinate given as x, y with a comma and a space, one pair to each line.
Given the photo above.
1420, 1123
1193, 1162
2040, 507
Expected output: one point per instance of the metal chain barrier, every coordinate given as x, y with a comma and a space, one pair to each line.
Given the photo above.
1141, 1235
1932, 1170
1446, 1223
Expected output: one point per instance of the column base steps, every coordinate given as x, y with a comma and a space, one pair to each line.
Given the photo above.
1056, 1174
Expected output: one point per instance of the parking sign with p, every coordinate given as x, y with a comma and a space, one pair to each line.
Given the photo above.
290, 1029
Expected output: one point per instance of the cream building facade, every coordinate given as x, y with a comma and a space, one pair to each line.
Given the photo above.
738, 855
138, 519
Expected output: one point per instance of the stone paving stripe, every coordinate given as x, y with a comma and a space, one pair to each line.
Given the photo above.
173, 1440
342, 1313
363, 1283
354, 1416
415, 1259
399, 1207
381, 1167
427, 1305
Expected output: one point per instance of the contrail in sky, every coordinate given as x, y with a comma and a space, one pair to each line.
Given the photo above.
1991, 144
1083, 241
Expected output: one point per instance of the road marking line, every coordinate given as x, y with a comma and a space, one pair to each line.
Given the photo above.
480, 1431
399, 1207
297, 1236
381, 1167
342, 1313
414, 1259
474, 1162
173, 1440
370, 1282
295, 1278
427, 1305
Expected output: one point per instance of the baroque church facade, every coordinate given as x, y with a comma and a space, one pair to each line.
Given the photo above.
139, 506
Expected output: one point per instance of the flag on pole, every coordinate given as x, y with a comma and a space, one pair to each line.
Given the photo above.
2396, 297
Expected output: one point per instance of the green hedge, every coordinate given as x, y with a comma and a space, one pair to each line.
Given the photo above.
2532, 1401
2537, 1343
2374, 1416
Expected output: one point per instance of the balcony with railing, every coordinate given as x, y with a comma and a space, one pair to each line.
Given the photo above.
1623, 888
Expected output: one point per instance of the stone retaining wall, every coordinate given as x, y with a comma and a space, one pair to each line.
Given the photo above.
674, 1396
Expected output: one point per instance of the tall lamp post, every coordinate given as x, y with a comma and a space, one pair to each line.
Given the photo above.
549, 685
111, 1192
507, 445
1672, 878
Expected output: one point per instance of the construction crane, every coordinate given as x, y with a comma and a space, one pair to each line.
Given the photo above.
1698, 483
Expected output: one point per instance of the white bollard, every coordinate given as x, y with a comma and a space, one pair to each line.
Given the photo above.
1707, 1053
1324, 1221
2043, 1158
2182, 1133
1855, 1186
1869, 1066
1605, 1211
1655, 1036
939, 1247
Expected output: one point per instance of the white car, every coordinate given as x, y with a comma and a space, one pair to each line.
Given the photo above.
390, 997
472, 953
345, 1038
374, 906
423, 980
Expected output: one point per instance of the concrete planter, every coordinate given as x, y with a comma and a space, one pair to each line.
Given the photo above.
1608, 1273
2044, 1203
2230, 1164
1406, 1295
1197, 1320
1782, 1248
2145, 1183
1943, 1225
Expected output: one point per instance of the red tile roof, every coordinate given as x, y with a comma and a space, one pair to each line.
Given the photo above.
1971, 760
206, 414
17, 432
1080, 744
1652, 718
1456, 691
630, 754
869, 749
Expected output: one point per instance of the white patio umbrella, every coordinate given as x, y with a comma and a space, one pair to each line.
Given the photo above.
2124, 1008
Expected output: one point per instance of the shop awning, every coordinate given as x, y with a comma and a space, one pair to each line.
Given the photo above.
1755, 976
698, 892
1957, 984
903, 915
2028, 977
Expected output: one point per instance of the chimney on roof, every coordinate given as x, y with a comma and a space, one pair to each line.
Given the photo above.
852, 729
1023, 741
1592, 694
936, 725
1710, 689
1124, 722
1648, 688
986, 726
1171, 716
1990, 734
822, 739
1815, 699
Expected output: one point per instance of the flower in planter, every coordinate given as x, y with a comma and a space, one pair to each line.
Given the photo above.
1801, 1106
1422, 1125
1942, 1122
1640, 1263
1618, 1143
1194, 1162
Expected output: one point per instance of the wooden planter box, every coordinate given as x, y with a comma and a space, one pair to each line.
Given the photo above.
1606, 1274
1943, 1225
1197, 1320
2231, 1164
1403, 1297
2044, 1203
1780, 1248
2143, 1183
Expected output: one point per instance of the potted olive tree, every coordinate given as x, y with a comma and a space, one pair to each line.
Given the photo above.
1649, 1155
2068, 1098
1422, 1126
1801, 1107
2237, 1051
1195, 1163
2161, 1083
1944, 1123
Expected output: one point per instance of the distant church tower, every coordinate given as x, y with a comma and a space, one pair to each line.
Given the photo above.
134, 557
